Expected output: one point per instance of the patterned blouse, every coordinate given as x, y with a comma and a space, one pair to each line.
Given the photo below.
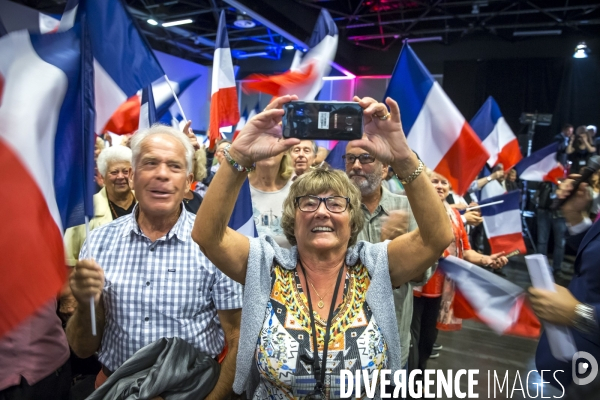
356, 342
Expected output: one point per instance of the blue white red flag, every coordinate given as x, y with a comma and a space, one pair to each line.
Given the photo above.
125, 119
46, 164
241, 218
541, 166
121, 68
241, 123
15, 17
502, 223
483, 295
305, 76
334, 158
434, 127
496, 136
224, 109
147, 109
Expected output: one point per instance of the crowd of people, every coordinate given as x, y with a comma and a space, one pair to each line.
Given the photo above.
342, 275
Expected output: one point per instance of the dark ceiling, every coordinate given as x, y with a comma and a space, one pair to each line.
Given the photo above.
375, 25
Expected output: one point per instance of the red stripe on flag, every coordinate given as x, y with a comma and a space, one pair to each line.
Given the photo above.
32, 257
510, 155
508, 243
527, 324
127, 117
555, 174
224, 111
464, 160
277, 85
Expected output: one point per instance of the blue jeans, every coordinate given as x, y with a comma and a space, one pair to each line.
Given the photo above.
546, 220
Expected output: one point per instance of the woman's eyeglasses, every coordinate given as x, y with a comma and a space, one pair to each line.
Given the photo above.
335, 204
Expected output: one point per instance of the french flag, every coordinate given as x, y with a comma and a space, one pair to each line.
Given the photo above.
224, 110
147, 109
502, 223
121, 68
46, 164
541, 166
15, 17
305, 76
242, 219
485, 296
496, 136
434, 127
125, 119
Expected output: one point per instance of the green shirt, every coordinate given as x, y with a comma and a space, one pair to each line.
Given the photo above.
403, 298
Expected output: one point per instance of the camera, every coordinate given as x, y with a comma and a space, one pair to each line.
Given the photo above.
323, 120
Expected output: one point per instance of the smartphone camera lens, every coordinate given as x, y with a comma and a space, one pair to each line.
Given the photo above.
349, 129
349, 120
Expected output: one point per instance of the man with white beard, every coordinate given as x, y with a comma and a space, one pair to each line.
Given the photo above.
387, 216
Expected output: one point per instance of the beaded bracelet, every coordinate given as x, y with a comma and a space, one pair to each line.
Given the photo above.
234, 163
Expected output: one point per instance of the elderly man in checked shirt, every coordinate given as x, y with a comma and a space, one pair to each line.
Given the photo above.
147, 276
387, 216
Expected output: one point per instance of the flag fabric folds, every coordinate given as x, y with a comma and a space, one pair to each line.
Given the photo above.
224, 110
44, 165
334, 158
305, 76
496, 136
123, 67
147, 109
434, 127
541, 166
495, 301
502, 223
242, 219
125, 119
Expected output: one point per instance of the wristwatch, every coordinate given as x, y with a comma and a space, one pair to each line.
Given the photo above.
489, 178
585, 319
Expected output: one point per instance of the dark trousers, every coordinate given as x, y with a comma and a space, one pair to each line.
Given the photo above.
547, 220
56, 386
423, 331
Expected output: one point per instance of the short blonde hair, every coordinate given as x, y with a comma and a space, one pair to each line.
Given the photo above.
200, 165
285, 167
318, 181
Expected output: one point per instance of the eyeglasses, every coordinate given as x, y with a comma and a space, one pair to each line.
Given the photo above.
335, 204
363, 158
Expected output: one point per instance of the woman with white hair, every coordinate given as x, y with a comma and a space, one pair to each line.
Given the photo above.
115, 200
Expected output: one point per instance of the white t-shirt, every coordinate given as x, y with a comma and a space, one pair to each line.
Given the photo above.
267, 208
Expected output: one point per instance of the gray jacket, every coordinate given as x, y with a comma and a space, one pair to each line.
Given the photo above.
264, 252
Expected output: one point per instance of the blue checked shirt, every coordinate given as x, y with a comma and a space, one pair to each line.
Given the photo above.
153, 290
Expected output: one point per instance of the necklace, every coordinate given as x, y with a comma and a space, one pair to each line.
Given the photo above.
110, 204
320, 304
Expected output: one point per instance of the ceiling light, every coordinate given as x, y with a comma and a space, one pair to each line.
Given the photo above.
152, 21
244, 21
538, 33
180, 22
289, 47
581, 51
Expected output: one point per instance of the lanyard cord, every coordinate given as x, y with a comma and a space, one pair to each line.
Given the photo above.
319, 372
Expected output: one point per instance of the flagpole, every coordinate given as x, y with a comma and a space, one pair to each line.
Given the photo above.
176, 98
484, 205
89, 256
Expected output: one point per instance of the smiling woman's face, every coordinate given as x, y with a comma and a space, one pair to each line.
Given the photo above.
322, 229
440, 184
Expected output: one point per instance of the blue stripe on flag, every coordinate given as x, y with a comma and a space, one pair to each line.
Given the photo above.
535, 158
334, 158
128, 59
485, 120
242, 211
409, 86
148, 98
325, 26
222, 38
184, 84
71, 169
511, 202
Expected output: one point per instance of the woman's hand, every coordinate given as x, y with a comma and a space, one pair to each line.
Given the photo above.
495, 261
261, 136
385, 139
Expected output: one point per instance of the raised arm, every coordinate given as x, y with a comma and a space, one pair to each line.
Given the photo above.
259, 139
411, 254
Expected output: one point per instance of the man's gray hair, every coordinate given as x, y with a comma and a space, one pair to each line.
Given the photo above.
111, 155
159, 129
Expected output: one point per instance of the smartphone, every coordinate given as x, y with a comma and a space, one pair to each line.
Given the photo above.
323, 120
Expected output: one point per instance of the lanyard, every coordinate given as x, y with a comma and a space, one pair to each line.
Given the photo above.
319, 373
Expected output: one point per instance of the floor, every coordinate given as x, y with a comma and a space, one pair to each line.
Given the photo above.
478, 347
